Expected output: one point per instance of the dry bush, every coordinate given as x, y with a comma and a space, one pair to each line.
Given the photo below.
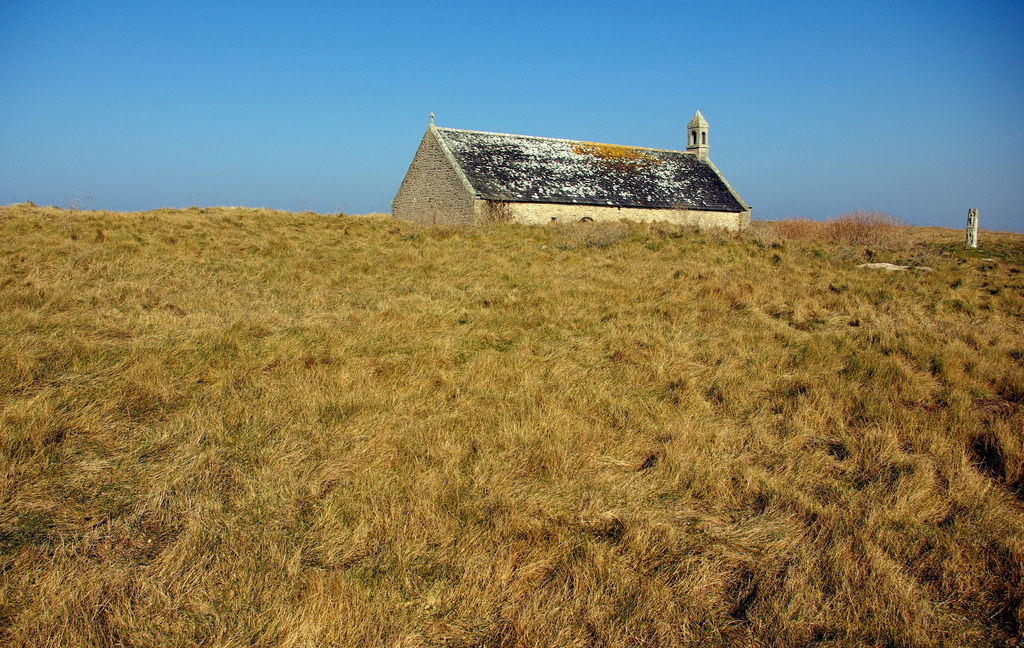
762, 234
794, 229
866, 228
497, 211
590, 234
244, 427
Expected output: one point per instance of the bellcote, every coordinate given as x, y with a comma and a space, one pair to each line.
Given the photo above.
697, 136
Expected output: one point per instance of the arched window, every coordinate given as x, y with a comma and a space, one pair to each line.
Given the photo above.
704, 137
693, 137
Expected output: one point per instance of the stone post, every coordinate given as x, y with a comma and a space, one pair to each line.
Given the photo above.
972, 228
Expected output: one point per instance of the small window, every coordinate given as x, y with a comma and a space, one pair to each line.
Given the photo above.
693, 137
586, 219
704, 138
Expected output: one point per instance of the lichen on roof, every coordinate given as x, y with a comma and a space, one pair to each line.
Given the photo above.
522, 168
614, 152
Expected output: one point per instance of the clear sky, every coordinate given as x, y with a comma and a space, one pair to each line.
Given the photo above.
816, 108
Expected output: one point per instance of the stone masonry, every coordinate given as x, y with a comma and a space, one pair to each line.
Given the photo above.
432, 192
541, 213
473, 177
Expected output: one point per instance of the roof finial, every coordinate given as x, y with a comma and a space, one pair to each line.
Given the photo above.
431, 119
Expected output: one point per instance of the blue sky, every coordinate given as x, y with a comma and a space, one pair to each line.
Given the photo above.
816, 109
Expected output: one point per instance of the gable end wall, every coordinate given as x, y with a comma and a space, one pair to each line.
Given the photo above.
432, 192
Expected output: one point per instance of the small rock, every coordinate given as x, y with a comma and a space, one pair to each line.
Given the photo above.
888, 267
892, 267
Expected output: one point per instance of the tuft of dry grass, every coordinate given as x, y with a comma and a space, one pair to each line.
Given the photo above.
236, 427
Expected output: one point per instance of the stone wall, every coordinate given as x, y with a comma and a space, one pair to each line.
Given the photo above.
432, 193
541, 213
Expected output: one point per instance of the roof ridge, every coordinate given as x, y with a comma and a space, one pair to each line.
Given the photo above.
560, 139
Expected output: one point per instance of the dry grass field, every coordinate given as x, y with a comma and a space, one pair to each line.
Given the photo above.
229, 427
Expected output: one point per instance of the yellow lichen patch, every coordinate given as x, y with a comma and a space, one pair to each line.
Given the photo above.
614, 152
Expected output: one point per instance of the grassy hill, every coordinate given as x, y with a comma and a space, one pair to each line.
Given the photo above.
240, 427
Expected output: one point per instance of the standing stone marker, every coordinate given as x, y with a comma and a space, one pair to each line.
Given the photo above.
972, 228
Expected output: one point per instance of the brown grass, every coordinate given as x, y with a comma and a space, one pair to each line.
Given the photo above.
233, 428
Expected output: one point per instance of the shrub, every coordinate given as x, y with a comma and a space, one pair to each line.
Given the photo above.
797, 229
497, 211
590, 234
867, 228
873, 229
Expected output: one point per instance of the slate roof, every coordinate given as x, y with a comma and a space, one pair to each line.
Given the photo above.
521, 168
